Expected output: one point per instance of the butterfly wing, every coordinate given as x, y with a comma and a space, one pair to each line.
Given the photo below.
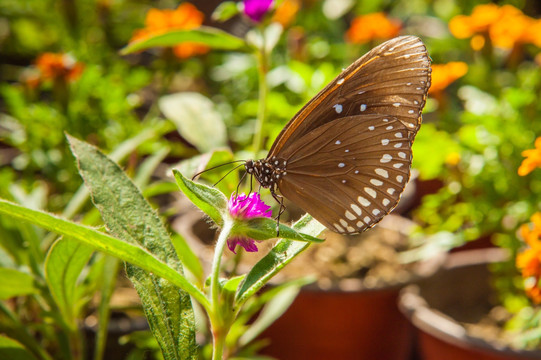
350, 172
392, 79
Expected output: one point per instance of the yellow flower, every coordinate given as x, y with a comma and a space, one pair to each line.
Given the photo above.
185, 17
376, 26
504, 25
445, 74
529, 261
533, 159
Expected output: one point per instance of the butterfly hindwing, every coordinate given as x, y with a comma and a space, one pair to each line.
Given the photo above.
350, 172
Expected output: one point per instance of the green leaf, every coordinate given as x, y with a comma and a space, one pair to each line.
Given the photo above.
211, 201
63, 266
282, 254
264, 228
16, 283
133, 254
109, 276
212, 37
13, 350
188, 258
225, 11
276, 306
130, 217
196, 119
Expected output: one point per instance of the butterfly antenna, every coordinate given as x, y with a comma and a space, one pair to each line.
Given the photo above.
229, 172
217, 166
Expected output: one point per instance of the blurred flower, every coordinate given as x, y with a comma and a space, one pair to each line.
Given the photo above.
286, 11
370, 27
185, 17
53, 66
504, 25
445, 74
529, 261
533, 159
246, 207
256, 9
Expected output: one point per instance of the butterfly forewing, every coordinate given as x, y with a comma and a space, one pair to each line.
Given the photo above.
392, 79
350, 172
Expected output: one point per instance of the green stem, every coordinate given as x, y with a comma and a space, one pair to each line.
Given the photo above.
219, 330
262, 68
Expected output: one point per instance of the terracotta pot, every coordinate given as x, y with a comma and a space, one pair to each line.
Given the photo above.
341, 325
461, 291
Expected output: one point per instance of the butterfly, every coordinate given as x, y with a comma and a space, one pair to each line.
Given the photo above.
345, 157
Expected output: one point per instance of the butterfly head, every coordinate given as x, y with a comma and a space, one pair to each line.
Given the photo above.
267, 172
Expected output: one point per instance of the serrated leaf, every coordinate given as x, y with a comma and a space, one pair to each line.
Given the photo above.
130, 217
13, 350
282, 253
212, 37
211, 201
196, 119
134, 254
65, 261
16, 283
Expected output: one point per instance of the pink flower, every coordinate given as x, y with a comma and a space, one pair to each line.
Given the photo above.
256, 9
246, 207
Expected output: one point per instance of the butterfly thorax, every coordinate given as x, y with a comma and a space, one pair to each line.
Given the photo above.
267, 172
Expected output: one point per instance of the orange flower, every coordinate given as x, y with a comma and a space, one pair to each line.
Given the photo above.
286, 11
374, 26
54, 66
185, 17
533, 159
445, 74
529, 261
505, 26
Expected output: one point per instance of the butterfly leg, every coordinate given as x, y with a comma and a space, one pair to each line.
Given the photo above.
280, 200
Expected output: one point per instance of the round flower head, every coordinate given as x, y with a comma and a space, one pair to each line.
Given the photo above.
256, 9
246, 207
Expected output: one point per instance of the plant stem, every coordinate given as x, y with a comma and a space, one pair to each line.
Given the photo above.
262, 68
219, 331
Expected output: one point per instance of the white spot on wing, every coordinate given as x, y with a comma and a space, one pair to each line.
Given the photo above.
338, 108
350, 216
370, 192
363, 107
376, 182
371, 128
338, 227
341, 165
376, 212
340, 82
382, 172
390, 191
363, 201
384, 141
386, 158
356, 209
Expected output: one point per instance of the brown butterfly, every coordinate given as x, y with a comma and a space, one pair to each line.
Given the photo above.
345, 157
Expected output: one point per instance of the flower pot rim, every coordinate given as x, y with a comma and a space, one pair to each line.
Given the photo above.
442, 326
